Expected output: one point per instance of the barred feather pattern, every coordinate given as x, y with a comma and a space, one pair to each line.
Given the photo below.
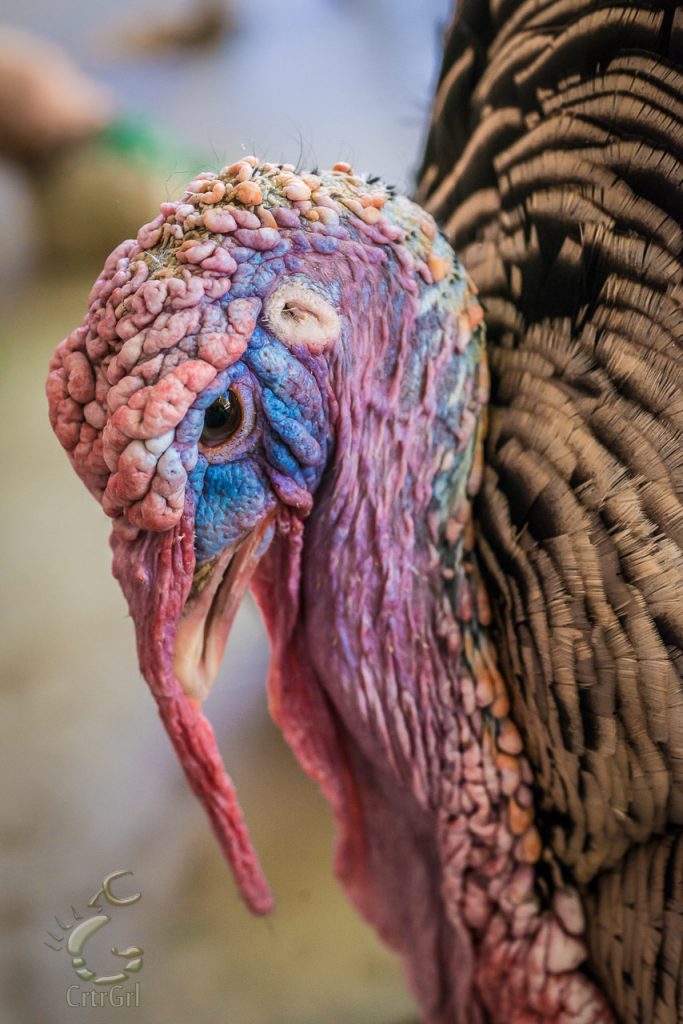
554, 163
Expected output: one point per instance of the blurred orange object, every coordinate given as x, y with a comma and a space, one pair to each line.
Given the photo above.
47, 103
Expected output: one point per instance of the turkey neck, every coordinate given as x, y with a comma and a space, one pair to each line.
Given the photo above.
396, 622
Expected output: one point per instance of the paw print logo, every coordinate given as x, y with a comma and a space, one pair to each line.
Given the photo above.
81, 930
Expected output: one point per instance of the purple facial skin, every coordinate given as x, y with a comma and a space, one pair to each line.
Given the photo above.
281, 385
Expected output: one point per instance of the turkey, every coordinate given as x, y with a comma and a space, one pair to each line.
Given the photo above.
282, 383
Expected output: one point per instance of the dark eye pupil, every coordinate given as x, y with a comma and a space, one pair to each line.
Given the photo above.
222, 419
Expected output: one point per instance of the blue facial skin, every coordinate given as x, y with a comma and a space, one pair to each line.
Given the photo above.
279, 454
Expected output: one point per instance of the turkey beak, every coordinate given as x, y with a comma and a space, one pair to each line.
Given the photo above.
182, 619
218, 587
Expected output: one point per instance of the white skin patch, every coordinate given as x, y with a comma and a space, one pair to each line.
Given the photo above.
297, 315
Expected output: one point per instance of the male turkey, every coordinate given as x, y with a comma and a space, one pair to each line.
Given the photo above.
281, 383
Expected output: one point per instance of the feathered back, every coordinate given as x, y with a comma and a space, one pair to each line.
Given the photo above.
554, 163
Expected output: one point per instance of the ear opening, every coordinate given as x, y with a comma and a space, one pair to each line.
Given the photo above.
299, 315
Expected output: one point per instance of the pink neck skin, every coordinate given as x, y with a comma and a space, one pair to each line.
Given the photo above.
385, 684
415, 750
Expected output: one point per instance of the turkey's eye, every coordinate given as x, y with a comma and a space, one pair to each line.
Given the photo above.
222, 419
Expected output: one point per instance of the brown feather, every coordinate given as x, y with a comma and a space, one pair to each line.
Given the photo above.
555, 164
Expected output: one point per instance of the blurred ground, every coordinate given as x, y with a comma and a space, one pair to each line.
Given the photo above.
89, 782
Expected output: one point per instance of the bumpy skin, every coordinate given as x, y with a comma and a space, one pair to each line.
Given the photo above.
343, 323
554, 163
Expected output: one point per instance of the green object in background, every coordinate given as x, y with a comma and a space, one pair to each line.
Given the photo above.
136, 139
101, 190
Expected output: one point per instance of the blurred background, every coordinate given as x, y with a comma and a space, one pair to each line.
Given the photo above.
106, 110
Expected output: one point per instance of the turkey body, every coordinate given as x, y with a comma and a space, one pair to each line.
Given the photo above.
554, 165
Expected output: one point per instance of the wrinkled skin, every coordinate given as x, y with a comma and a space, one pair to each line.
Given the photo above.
280, 384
